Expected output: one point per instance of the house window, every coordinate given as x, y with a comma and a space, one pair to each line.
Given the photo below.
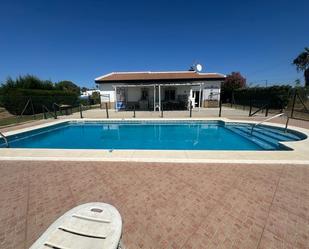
170, 94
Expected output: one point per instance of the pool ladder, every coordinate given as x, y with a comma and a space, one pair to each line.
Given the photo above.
275, 116
5, 139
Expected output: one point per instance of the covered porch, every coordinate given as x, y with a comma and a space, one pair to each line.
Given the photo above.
157, 97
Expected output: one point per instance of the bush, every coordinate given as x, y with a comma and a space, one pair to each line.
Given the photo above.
276, 96
14, 100
28, 82
14, 94
68, 86
95, 98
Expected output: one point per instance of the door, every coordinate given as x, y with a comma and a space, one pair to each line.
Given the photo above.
196, 97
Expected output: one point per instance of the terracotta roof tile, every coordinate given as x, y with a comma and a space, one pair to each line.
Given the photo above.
148, 76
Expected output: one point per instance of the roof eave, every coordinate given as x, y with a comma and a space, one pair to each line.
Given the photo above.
160, 80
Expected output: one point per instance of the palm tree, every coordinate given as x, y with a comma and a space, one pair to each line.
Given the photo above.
302, 64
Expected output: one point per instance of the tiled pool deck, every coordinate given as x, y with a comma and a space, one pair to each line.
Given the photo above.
166, 206
162, 205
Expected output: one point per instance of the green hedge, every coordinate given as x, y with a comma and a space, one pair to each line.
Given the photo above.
15, 99
276, 96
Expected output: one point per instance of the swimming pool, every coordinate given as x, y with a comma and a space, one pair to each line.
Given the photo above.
154, 135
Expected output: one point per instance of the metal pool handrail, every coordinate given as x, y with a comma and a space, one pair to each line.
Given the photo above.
5, 139
275, 116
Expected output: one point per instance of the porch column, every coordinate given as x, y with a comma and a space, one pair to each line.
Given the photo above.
115, 99
199, 98
159, 97
190, 99
154, 98
126, 94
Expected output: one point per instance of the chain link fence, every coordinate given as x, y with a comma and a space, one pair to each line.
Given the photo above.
298, 107
21, 109
295, 104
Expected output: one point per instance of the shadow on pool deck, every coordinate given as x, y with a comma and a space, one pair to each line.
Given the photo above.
162, 205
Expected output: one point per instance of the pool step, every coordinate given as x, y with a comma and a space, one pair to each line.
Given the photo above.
283, 135
271, 133
2, 143
261, 136
265, 144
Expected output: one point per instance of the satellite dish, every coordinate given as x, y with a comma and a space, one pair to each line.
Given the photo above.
198, 67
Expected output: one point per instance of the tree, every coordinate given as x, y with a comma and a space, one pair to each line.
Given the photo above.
302, 64
232, 82
68, 86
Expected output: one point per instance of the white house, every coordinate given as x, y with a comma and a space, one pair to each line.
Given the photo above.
88, 93
156, 90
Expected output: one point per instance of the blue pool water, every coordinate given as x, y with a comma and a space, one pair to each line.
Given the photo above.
146, 135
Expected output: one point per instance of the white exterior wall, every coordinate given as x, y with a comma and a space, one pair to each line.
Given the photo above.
107, 89
210, 90
90, 92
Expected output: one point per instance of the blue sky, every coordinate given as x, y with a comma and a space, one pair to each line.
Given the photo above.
80, 40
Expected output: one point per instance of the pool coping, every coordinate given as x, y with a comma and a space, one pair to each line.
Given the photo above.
299, 154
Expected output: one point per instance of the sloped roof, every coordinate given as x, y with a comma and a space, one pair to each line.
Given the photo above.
160, 76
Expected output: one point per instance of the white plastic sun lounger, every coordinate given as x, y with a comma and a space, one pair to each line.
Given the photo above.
88, 226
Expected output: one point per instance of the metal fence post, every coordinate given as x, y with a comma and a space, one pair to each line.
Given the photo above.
55, 111
33, 112
106, 107
161, 111
44, 114
134, 111
286, 124
81, 110
266, 112
191, 108
250, 110
293, 105
220, 107
302, 102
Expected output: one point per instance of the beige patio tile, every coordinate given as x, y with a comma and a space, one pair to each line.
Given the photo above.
221, 230
294, 200
256, 188
296, 172
13, 206
271, 241
242, 206
268, 174
178, 218
49, 197
162, 205
136, 237
288, 227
